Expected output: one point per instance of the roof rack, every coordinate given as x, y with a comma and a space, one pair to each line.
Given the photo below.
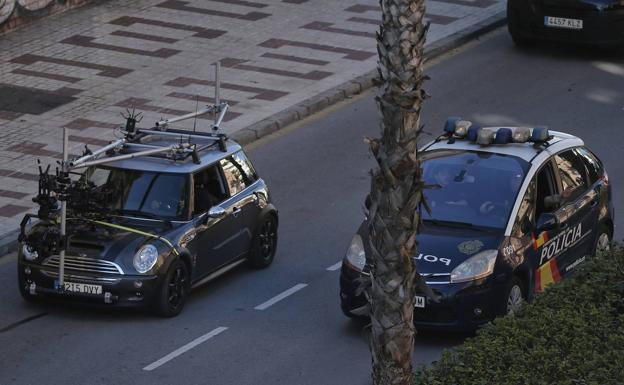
132, 145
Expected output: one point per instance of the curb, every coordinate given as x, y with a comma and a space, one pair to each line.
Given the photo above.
312, 105
357, 85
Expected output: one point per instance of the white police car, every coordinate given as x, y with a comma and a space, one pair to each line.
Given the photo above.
512, 211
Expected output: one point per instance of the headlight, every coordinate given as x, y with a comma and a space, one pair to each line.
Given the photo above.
145, 258
478, 266
355, 254
29, 253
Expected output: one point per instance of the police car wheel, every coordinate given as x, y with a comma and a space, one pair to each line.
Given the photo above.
602, 241
515, 297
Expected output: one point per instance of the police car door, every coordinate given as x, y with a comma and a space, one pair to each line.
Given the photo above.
578, 206
542, 255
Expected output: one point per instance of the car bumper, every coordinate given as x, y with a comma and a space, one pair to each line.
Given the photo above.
117, 290
599, 27
459, 307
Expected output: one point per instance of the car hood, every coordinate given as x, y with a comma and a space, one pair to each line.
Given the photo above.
442, 248
118, 244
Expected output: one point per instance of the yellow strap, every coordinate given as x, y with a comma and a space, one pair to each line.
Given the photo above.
135, 231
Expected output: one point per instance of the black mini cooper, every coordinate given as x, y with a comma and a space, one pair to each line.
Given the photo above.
166, 227
512, 211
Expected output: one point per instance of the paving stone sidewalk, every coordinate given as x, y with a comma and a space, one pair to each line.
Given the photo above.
81, 69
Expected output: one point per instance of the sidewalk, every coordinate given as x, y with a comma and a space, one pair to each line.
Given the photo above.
281, 60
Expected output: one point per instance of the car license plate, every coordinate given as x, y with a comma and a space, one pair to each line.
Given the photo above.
82, 288
419, 301
562, 22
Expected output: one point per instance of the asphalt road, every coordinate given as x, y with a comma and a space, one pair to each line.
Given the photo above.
318, 173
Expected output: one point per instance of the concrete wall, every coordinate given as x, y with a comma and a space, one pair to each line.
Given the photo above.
14, 13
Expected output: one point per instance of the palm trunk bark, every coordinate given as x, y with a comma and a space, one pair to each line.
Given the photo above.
396, 190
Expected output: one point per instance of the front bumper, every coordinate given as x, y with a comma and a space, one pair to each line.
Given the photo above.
117, 290
600, 27
461, 306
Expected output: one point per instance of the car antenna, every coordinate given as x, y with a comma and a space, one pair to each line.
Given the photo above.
196, 109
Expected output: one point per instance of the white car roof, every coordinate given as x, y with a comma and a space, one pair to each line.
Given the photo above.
525, 151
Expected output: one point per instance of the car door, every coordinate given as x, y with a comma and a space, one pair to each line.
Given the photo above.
541, 255
579, 210
250, 197
214, 241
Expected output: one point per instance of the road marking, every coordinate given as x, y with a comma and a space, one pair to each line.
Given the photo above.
184, 348
281, 296
335, 266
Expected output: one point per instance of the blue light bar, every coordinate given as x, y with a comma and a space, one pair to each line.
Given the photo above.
503, 136
449, 126
540, 134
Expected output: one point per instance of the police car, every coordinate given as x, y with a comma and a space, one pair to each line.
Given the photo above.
512, 210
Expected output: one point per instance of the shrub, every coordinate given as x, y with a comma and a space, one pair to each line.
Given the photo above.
572, 334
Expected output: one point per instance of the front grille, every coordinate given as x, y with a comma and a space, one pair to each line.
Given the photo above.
83, 264
436, 278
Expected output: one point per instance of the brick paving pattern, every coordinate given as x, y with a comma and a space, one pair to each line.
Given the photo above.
81, 69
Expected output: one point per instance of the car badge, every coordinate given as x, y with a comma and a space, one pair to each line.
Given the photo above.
82, 255
470, 247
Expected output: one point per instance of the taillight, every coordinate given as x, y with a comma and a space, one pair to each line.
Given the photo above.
605, 178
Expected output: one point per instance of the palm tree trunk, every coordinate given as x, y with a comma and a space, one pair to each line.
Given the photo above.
396, 190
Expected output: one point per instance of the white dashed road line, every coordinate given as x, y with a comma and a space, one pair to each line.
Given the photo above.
281, 296
184, 349
335, 267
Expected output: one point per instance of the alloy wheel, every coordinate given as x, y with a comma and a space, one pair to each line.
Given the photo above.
514, 301
177, 287
268, 237
603, 243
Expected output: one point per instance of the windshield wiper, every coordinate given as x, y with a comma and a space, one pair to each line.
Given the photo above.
143, 214
440, 222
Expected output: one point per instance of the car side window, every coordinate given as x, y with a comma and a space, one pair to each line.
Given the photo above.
545, 187
209, 189
249, 172
526, 213
594, 168
573, 175
234, 175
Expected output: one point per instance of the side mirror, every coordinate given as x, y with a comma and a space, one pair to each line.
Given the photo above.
552, 202
546, 222
216, 212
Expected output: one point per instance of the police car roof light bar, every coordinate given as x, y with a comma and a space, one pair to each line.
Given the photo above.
485, 137
521, 134
473, 133
449, 126
503, 136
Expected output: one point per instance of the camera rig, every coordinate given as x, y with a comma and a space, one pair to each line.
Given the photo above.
58, 192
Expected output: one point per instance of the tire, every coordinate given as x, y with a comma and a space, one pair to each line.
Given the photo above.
512, 26
174, 290
264, 244
515, 298
602, 240
21, 284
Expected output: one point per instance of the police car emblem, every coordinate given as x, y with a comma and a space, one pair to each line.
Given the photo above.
470, 247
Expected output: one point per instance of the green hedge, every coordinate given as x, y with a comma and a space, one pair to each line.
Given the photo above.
572, 334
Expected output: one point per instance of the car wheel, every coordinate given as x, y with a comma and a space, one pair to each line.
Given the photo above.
265, 243
515, 297
512, 26
603, 240
21, 283
174, 290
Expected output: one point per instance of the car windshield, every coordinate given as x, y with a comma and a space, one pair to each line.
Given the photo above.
470, 187
143, 193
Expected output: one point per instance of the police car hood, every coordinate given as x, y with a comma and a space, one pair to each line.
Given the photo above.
442, 248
